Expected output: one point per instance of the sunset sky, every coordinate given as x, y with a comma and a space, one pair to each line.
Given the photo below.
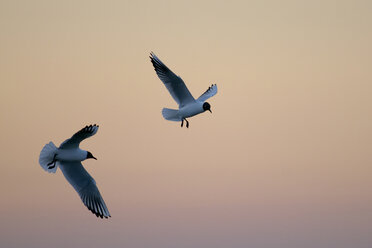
284, 161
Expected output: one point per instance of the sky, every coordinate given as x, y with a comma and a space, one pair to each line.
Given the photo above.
284, 160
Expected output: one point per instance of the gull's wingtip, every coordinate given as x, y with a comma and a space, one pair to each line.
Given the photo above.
152, 56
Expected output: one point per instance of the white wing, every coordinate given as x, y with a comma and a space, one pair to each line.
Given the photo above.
174, 83
85, 186
75, 140
211, 91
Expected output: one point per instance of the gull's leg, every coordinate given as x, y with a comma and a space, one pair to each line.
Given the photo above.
54, 161
182, 123
187, 123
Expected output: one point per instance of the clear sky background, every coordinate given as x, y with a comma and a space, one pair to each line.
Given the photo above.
284, 161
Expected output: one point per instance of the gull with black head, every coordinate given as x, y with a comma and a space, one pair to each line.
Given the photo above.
68, 158
188, 106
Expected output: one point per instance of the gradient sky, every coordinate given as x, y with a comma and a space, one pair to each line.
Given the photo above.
284, 161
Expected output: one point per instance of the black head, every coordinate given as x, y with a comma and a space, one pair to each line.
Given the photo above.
207, 106
90, 155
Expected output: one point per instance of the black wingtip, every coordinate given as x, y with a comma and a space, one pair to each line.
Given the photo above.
152, 54
98, 215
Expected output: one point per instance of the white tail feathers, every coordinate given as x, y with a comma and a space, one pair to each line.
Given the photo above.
47, 156
170, 114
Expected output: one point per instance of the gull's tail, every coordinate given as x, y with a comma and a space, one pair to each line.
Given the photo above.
170, 114
47, 156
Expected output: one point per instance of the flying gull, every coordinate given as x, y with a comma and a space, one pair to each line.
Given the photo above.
68, 158
187, 105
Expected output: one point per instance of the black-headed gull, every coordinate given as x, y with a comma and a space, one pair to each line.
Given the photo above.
187, 105
68, 157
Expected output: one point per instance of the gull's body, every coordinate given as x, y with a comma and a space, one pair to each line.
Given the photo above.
191, 109
68, 158
188, 106
71, 155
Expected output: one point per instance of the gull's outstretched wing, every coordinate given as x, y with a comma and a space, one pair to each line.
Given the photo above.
85, 186
174, 83
211, 91
75, 140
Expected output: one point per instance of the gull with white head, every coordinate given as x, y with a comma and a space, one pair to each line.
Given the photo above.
188, 106
68, 158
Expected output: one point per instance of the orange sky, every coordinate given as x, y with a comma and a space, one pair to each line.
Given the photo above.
284, 161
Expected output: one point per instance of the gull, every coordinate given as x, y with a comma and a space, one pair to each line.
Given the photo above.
68, 158
187, 105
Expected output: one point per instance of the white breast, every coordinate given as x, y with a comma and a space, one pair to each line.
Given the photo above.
71, 155
191, 109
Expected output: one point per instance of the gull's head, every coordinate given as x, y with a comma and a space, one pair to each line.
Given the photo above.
207, 106
90, 155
